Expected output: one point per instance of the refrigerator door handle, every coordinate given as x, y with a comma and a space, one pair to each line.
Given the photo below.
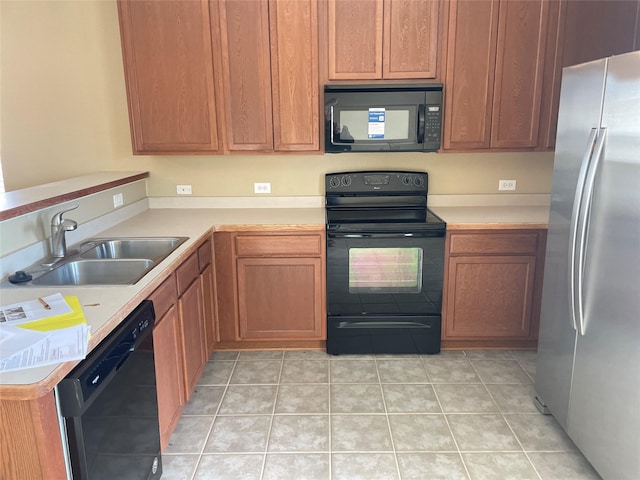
573, 231
585, 209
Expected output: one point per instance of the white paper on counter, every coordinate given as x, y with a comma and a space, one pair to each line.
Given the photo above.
34, 310
21, 348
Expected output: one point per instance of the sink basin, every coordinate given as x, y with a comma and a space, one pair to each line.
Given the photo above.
153, 248
96, 272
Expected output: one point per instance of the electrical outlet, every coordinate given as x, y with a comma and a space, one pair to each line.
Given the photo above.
506, 184
262, 187
118, 200
183, 189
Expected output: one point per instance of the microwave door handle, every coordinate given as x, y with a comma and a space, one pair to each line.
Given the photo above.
421, 123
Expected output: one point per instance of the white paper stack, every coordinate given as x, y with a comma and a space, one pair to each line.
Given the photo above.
43, 331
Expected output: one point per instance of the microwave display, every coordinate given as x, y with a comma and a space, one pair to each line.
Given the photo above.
383, 118
357, 125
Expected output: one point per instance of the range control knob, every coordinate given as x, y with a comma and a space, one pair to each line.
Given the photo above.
418, 181
346, 181
406, 180
334, 182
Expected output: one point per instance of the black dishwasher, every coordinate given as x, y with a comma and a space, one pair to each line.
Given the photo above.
109, 405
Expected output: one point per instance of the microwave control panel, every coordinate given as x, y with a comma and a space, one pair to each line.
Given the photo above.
432, 124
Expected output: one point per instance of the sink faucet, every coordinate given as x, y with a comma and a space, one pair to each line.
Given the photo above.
58, 229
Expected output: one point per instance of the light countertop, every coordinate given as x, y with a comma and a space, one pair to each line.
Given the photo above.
106, 307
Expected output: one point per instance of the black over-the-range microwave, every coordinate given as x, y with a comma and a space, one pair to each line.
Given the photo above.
383, 118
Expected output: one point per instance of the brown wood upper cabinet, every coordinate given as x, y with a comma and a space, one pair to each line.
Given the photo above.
269, 73
495, 66
168, 65
581, 32
383, 39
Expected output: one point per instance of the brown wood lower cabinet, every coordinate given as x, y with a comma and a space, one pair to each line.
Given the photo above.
169, 381
493, 284
167, 342
191, 312
207, 284
270, 289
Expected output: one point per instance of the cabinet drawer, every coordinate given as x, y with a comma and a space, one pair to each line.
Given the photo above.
288, 245
493, 243
164, 296
204, 255
187, 273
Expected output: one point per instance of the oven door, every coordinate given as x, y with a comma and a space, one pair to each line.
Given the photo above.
384, 292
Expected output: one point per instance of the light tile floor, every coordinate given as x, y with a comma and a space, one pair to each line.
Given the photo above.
306, 415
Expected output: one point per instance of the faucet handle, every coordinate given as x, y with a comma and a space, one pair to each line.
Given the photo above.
68, 224
57, 218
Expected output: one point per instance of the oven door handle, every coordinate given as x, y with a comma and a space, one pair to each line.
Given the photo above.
435, 233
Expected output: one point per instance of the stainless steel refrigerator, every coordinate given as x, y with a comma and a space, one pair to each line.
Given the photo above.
588, 367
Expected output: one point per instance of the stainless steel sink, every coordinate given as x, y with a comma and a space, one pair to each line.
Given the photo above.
106, 261
96, 272
152, 248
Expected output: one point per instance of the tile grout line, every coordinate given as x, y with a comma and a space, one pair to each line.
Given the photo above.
446, 419
273, 412
215, 415
386, 414
504, 419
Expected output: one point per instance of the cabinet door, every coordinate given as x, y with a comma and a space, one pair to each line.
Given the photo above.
410, 39
169, 375
246, 75
471, 55
522, 35
280, 298
193, 336
206, 283
168, 67
294, 70
489, 296
355, 39
584, 31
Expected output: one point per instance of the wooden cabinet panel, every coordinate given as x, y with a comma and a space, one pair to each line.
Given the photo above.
583, 31
31, 443
355, 39
169, 373
208, 293
288, 245
187, 273
494, 243
205, 255
294, 70
280, 298
246, 73
410, 39
164, 296
168, 67
522, 35
492, 288
270, 289
471, 54
495, 70
490, 296
191, 311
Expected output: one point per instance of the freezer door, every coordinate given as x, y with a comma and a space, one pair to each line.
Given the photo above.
604, 412
579, 118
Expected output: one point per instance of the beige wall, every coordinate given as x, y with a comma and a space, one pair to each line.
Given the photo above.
64, 113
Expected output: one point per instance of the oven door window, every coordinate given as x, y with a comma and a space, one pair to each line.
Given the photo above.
385, 270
